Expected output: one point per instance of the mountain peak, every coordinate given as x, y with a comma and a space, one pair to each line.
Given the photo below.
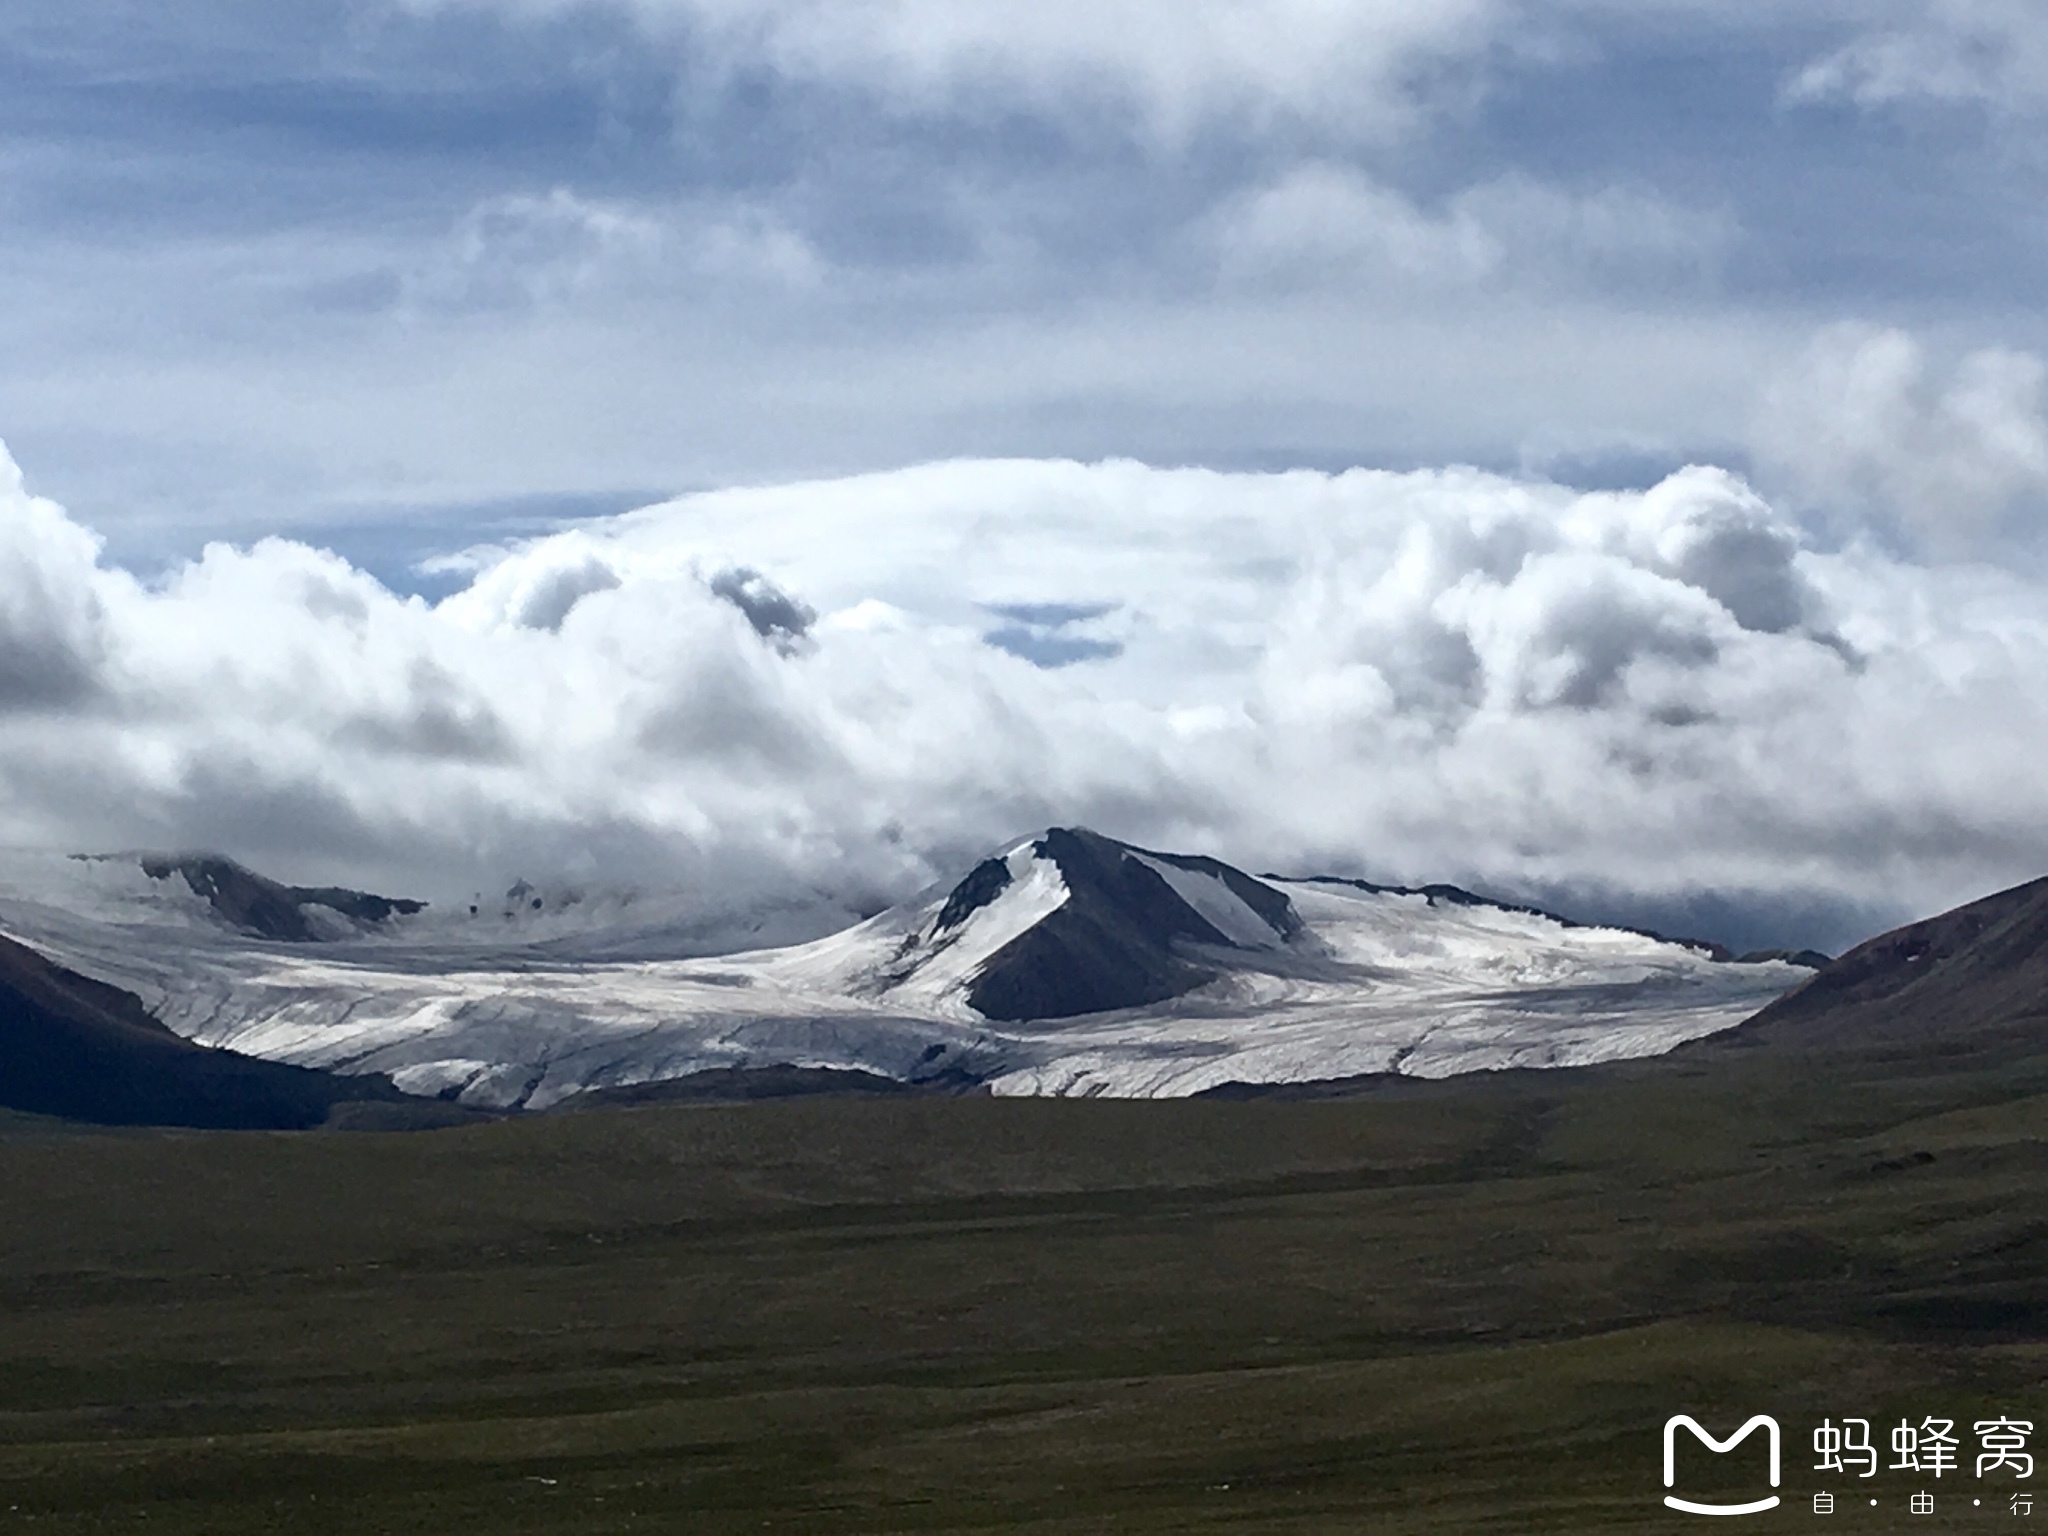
265, 909
1072, 922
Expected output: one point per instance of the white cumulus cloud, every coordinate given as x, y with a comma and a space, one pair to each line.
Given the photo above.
1440, 674
1865, 423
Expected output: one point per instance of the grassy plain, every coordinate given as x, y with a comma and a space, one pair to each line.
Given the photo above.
1462, 1307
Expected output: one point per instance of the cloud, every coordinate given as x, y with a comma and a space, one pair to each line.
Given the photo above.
1323, 222
1636, 696
546, 602
1864, 426
1985, 52
1610, 233
526, 594
520, 251
1171, 65
50, 616
772, 612
494, 251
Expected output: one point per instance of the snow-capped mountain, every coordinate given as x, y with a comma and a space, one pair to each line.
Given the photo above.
1068, 963
1075, 923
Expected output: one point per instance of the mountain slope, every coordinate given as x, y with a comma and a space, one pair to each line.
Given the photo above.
1967, 984
264, 909
1110, 927
82, 1050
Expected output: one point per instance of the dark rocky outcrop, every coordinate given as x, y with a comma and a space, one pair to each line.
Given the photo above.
984, 883
1121, 938
1812, 959
265, 909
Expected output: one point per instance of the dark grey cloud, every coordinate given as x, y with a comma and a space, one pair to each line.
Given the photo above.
439, 719
772, 612
1749, 570
39, 671
722, 714
1591, 637
284, 822
52, 641
548, 602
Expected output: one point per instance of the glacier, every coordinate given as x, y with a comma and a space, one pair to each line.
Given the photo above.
1283, 980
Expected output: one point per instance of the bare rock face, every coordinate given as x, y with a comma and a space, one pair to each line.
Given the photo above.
1124, 937
265, 909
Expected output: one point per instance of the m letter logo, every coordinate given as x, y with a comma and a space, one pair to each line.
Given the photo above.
1671, 1463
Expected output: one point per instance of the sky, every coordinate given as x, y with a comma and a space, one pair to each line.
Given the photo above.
1593, 451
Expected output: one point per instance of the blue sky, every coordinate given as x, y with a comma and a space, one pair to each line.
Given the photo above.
402, 266
373, 299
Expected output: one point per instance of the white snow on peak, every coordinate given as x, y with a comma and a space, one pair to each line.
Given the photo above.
1476, 944
1215, 902
946, 964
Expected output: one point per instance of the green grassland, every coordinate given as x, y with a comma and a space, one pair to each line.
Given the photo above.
1459, 1307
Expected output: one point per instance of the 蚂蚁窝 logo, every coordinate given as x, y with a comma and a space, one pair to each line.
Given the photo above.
1720, 1446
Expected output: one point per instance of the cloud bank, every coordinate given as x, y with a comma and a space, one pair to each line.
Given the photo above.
854, 685
1171, 65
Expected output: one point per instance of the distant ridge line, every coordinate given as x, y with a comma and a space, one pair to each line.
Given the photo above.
1457, 895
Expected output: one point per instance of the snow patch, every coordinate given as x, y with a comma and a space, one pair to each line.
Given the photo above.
1216, 903
430, 1079
1036, 891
